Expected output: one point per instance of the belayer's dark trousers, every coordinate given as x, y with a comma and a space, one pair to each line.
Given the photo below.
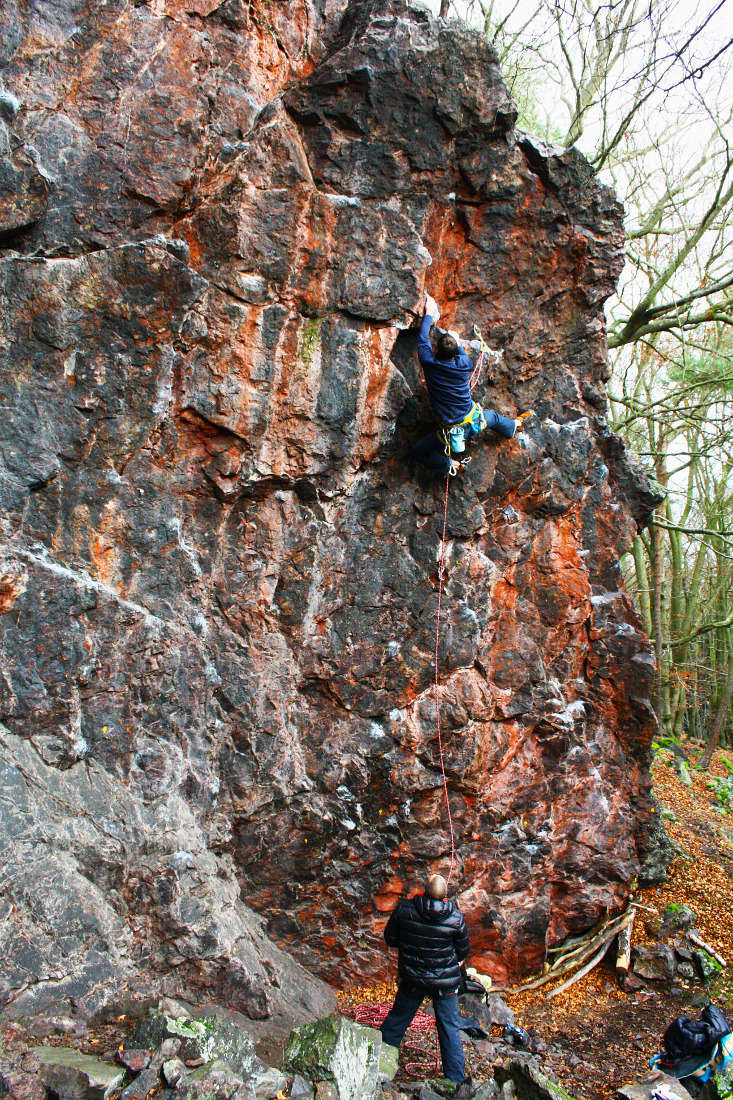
447, 1019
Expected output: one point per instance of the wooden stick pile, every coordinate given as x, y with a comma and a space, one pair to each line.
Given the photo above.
586, 952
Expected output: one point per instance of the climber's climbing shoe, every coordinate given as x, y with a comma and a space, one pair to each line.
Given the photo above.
525, 416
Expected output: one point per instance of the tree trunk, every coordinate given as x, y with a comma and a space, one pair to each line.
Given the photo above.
642, 584
679, 710
724, 740
720, 716
444, 5
657, 627
678, 653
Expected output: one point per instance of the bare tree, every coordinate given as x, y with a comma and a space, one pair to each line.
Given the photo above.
678, 414
646, 93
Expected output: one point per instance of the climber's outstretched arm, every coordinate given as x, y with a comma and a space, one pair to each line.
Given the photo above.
432, 313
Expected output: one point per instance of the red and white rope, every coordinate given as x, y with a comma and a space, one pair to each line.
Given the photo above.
422, 1028
437, 681
476, 374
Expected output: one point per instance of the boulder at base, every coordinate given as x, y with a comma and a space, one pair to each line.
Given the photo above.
655, 962
529, 1082
389, 1061
340, 1051
644, 1090
74, 1076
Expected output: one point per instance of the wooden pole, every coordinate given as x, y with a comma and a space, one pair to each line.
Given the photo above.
623, 955
706, 947
582, 972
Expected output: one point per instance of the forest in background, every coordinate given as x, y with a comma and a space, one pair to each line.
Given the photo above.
644, 89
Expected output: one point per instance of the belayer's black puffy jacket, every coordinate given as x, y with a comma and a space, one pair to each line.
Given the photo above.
432, 939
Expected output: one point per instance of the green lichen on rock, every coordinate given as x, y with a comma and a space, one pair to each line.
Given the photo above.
311, 1047
309, 336
722, 1084
76, 1076
191, 1029
215, 1033
334, 1049
389, 1061
706, 966
215, 1081
679, 917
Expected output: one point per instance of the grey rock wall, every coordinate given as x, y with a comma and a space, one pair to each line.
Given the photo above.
218, 583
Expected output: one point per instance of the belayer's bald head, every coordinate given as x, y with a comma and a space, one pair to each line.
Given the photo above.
436, 887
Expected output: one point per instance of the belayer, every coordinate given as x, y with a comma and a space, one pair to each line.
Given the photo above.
432, 941
447, 373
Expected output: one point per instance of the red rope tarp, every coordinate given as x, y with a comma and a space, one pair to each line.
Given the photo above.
420, 1034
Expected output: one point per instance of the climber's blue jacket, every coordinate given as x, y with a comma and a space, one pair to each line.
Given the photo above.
446, 379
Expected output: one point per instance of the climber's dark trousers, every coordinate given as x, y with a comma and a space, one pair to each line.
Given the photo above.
448, 1022
430, 451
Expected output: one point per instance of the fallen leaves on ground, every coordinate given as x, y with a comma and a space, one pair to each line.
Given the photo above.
597, 1036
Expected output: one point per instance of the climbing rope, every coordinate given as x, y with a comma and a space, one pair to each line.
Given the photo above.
422, 1027
485, 352
437, 681
476, 373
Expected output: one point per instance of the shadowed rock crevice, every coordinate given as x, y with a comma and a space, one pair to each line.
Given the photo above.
219, 567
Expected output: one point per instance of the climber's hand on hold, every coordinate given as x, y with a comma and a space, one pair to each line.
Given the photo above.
431, 307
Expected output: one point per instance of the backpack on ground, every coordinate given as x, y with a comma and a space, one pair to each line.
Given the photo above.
475, 988
696, 1048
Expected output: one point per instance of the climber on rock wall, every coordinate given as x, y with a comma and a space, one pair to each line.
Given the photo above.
447, 373
432, 941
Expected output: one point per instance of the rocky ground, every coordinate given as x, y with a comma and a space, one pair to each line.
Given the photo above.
592, 1038
597, 1036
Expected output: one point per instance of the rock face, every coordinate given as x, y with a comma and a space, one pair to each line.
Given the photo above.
103, 891
219, 568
